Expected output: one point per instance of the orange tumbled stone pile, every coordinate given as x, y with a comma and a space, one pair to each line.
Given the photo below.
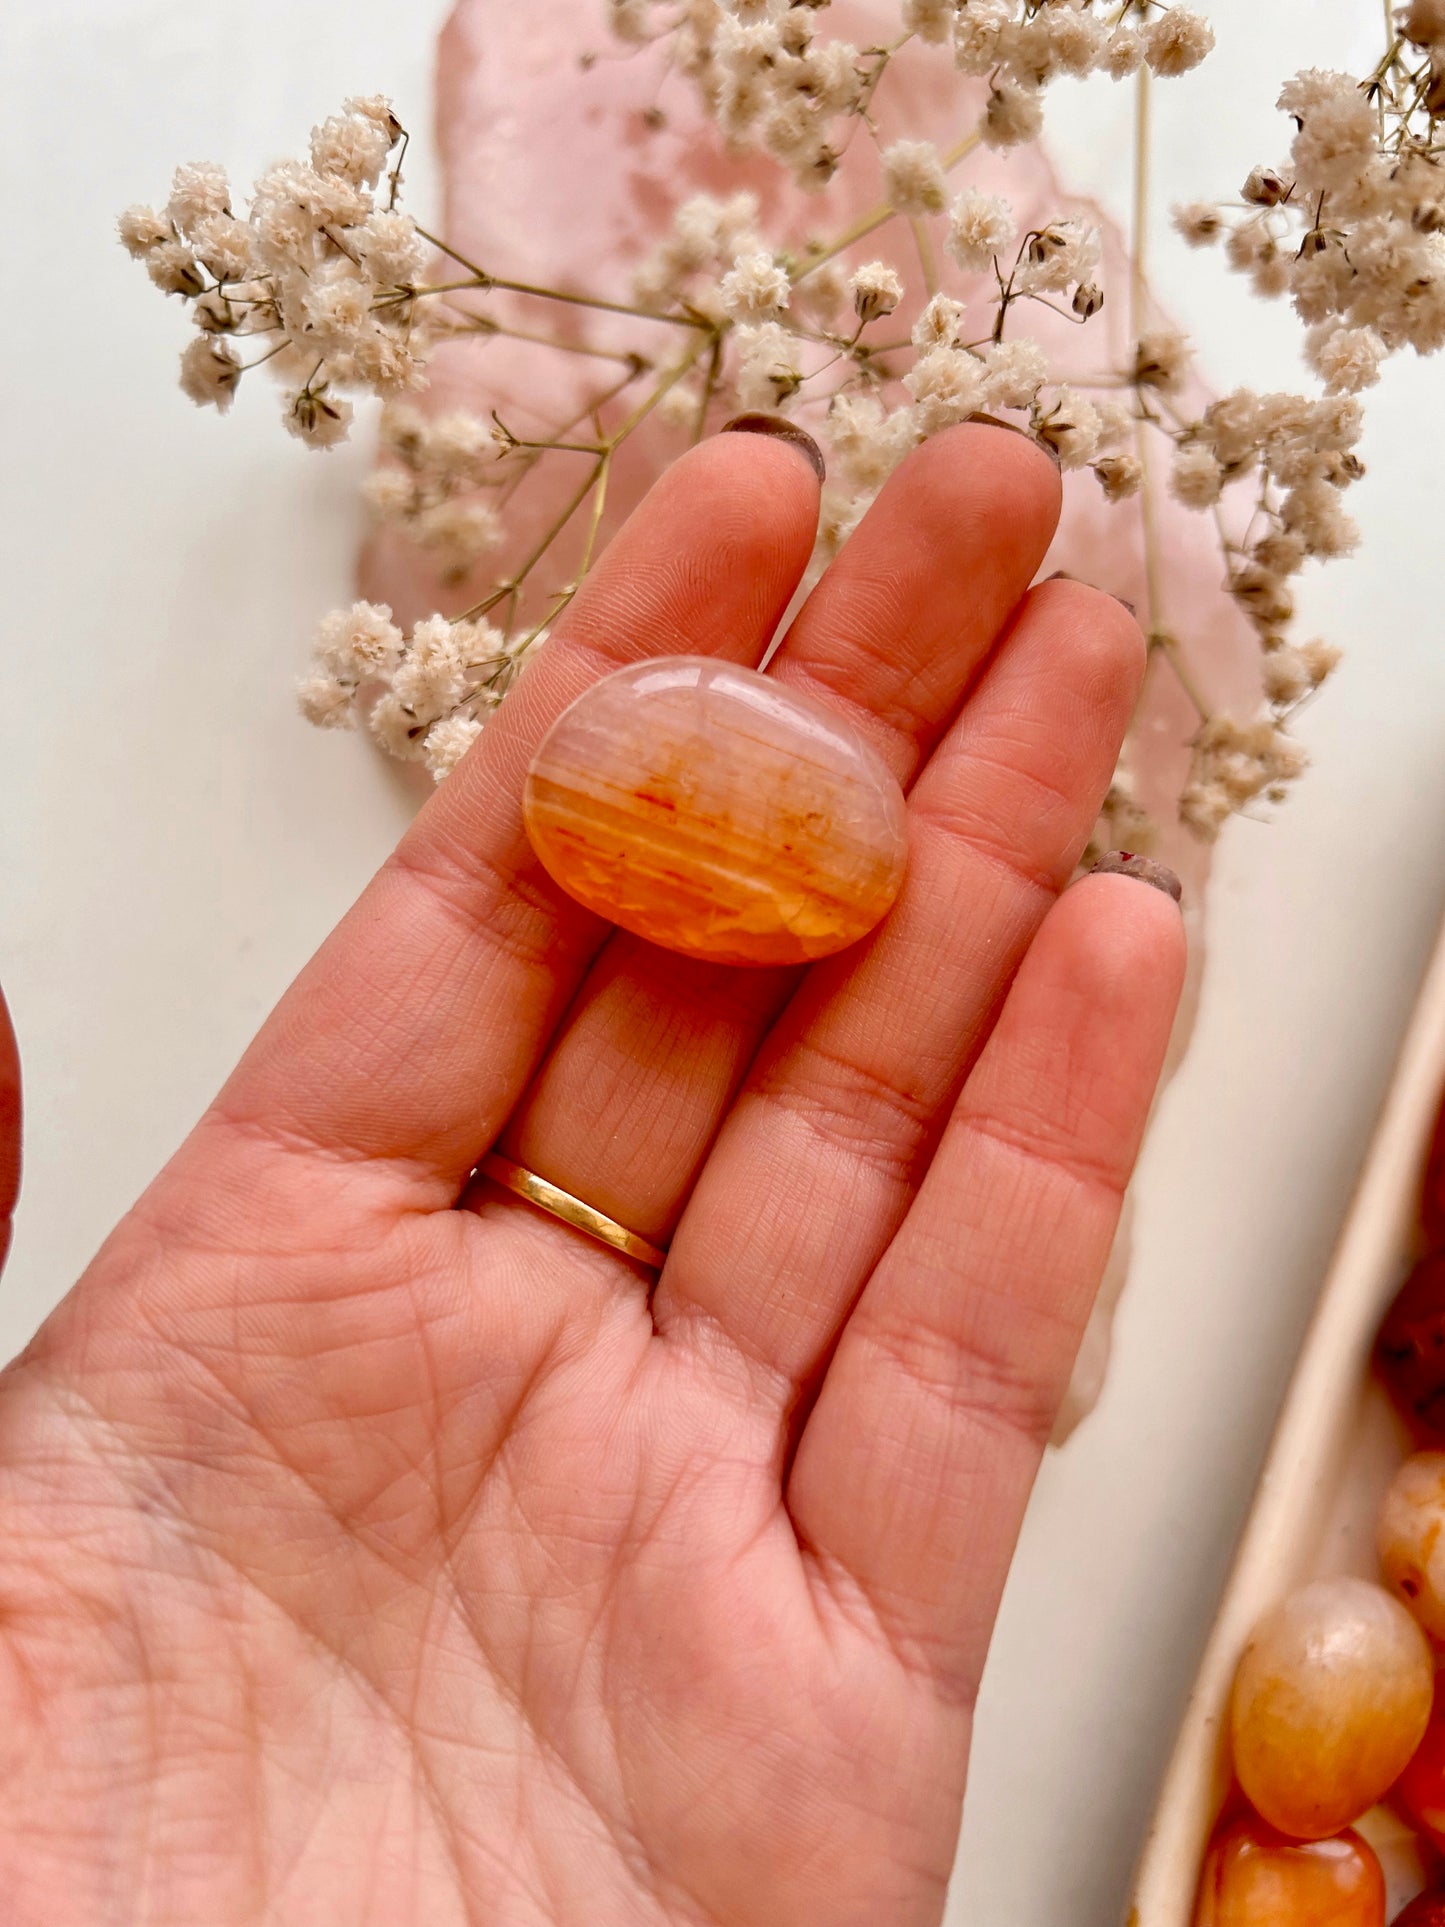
717, 813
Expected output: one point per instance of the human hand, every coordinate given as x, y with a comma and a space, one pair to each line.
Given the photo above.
375, 1548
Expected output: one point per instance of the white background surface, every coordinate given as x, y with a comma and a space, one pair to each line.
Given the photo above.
173, 842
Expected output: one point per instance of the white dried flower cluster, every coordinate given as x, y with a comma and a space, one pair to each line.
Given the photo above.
434, 487
422, 697
1293, 457
980, 228
754, 288
707, 240
1233, 764
774, 81
1352, 227
316, 272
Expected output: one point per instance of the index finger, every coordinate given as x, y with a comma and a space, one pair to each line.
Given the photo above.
414, 1030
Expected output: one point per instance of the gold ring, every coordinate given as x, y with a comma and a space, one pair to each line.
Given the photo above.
561, 1204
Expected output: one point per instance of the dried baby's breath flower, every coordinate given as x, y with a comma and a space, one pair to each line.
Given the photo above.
352, 147
1286, 676
769, 365
1176, 41
938, 323
318, 420
461, 531
327, 702
1196, 479
838, 515
1346, 359
1122, 54
389, 249
359, 644
1071, 427
876, 289
980, 34
1233, 764
225, 247
947, 385
754, 289
913, 178
1199, 223
289, 270
1014, 372
929, 19
1120, 476
1057, 257
390, 494
141, 229
868, 441
1015, 113
175, 269
980, 226
1423, 21
448, 741
1160, 360
210, 370
396, 729
198, 193
431, 679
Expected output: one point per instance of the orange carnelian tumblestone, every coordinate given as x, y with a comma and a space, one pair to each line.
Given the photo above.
1410, 1350
714, 811
1426, 1910
1420, 1789
1432, 1191
1331, 1697
1254, 1877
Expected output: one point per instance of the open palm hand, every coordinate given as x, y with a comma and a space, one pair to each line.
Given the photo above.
375, 1548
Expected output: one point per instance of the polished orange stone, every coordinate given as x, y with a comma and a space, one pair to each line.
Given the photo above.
1331, 1697
1254, 1877
1420, 1789
715, 812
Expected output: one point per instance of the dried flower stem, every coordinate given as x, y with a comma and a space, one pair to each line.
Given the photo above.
485, 283
519, 575
597, 480
1138, 298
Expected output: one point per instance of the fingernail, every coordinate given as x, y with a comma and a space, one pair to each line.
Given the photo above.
994, 421
785, 431
1062, 575
1123, 863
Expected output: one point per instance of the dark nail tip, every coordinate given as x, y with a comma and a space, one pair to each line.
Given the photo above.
1062, 575
1123, 863
995, 421
785, 431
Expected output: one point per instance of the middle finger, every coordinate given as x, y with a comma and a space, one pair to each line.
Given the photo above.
624, 1108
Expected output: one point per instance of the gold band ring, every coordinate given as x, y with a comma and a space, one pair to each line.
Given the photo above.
561, 1204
